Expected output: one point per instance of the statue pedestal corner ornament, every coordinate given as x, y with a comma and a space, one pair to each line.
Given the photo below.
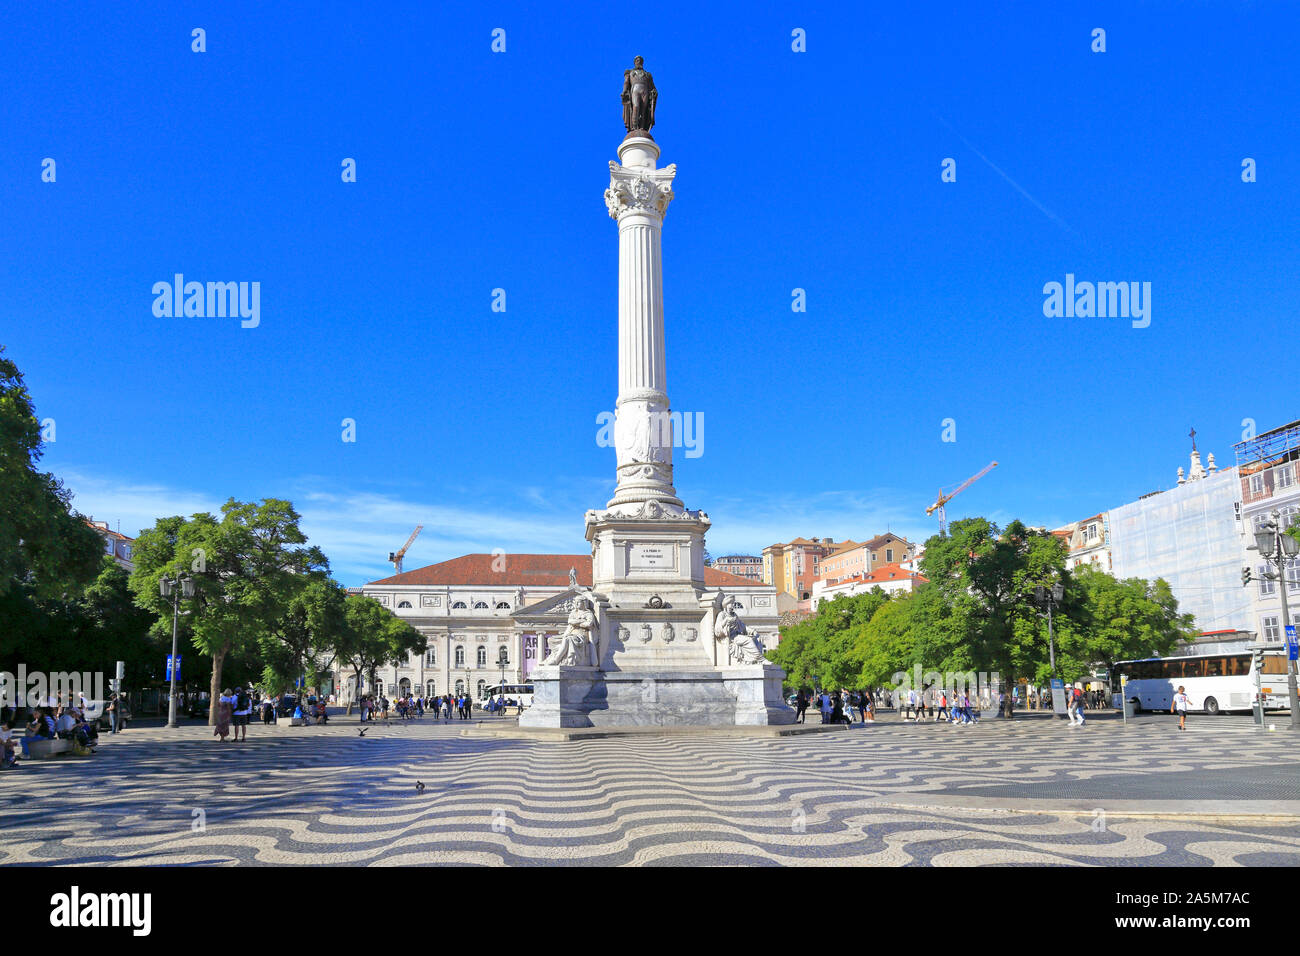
649, 644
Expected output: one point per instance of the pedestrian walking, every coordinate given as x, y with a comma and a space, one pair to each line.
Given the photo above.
225, 707
800, 706
1180, 704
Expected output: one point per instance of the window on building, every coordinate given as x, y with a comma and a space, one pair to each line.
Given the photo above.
460, 687
1257, 484
503, 606
402, 604
460, 656
1288, 516
889, 555
503, 655
108, 545
430, 657
480, 605
1270, 628
1267, 586
1292, 573
482, 689
430, 688
458, 606
1284, 477
481, 657
379, 687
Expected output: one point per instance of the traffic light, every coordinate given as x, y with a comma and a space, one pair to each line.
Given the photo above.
1259, 660
1245, 576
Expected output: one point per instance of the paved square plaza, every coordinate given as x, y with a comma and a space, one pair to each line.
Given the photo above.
1034, 791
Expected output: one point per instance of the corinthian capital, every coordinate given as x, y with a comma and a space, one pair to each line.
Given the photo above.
635, 190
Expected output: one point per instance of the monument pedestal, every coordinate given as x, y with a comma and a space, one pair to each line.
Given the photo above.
747, 695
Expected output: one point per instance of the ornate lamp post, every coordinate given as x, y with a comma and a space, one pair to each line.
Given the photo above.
1277, 547
175, 588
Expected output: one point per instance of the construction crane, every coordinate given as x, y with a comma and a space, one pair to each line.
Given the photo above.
396, 556
943, 499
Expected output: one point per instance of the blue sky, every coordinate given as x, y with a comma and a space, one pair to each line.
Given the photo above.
479, 170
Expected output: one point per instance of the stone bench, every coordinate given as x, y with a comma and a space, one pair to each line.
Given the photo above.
49, 748
292, 722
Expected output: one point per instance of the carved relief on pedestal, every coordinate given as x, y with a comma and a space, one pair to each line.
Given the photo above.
692, 634
668, 633
647, 633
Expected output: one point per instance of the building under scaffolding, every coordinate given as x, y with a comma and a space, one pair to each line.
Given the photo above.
1266, 467
1189, 535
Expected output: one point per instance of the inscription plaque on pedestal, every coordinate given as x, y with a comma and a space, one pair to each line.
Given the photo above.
651, 557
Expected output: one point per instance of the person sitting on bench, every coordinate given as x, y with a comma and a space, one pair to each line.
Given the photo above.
41, 728
8, 757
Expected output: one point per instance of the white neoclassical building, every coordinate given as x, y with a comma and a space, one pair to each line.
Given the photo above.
487, 618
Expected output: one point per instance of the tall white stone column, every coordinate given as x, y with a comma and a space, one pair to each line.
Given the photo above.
637, 199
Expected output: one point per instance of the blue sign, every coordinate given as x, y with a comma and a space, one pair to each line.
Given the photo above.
1059, 701
1293, 651
169, 667
1290, 632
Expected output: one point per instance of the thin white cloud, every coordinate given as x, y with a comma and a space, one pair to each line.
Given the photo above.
356, 530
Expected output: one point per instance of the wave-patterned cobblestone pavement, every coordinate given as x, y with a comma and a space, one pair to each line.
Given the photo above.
327, 795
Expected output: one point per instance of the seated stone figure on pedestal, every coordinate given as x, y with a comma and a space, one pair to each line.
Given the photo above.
742, 647
571, 648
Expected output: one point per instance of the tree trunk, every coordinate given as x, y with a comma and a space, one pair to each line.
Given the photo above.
356, 672
214, 691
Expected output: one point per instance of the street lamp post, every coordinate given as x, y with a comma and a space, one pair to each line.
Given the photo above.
175, 588
1276, 546
1051, 596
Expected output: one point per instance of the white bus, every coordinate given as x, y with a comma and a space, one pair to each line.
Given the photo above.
1214, 683
520, 694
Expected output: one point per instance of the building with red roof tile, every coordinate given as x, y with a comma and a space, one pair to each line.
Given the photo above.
487, 617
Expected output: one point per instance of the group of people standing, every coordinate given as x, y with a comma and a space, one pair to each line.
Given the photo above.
233, 710
956, 708
378, 707
837, 707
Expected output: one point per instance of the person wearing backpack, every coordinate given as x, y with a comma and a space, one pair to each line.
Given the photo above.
240, 711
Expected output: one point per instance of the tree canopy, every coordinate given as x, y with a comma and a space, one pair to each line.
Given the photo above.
980, 612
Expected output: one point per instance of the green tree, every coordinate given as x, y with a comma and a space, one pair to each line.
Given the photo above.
987, 577
44, 543
304, 640
246, 567
1108, 620
374, 636
821, 649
